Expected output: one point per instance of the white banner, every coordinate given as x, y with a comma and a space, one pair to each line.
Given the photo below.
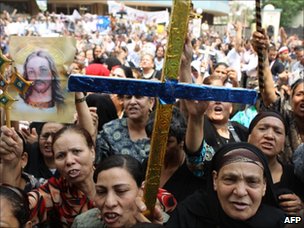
42, 4
138, 15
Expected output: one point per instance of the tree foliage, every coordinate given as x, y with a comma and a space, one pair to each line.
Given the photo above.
290, 8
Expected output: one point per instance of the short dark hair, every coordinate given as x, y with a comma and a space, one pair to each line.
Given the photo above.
76, 129
18, 201
295, 85
127, 162
221, 64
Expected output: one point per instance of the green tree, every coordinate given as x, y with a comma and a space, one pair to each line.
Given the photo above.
290, 8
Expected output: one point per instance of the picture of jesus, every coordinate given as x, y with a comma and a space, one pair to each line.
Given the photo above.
45, 92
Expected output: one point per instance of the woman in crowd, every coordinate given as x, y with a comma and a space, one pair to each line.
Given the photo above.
159, 57
210, 118
218, 127
14, 208
99, 55
228, 75
239, 181
59, 201
127, 135
267, 132
41, 162
148, 67
213, 118
118, 180
121, 71
274, 101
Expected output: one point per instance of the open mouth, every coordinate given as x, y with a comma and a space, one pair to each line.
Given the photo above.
74, 173
110, 217
218, 109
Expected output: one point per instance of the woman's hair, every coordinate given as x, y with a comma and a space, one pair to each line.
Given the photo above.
158, 47
210, 79
124, 161
97, 59
57, 93
18, 201
220, 64
127, 70
295, 85
76, 129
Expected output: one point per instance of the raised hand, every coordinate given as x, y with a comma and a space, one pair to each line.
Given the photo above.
30, 135
260, 41
11, 144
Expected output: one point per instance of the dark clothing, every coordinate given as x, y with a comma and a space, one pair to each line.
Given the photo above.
238, 133
293, 137
289, 183
214, 140
202, 209
36, 165
277, 68
156, 75
182, 183
106, 110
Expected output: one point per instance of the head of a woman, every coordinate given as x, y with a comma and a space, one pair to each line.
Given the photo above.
239, 179
267, 132
121, 72
297, 98
147, 61
98, 52
74, 154
40, 68
137, 108
218, 112
160, 51
45, 138
220, 70
14, 208
118, 181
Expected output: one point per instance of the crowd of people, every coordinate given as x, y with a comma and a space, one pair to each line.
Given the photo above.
226, 165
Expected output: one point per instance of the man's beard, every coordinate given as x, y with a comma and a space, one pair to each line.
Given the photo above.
41, 86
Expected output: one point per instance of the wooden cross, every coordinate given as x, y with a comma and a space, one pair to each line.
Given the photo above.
167, 91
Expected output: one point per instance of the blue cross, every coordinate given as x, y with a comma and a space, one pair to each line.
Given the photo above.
167, 92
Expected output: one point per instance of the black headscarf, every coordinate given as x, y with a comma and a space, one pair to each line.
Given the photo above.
263, 115
203, 209
219, 156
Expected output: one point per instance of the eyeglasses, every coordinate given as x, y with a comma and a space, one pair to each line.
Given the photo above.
46, 135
